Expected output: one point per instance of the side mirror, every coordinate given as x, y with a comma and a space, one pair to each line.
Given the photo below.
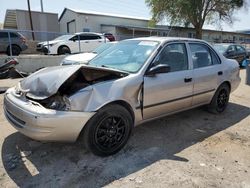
158, 69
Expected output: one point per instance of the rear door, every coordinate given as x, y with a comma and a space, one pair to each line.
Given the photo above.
169, 92
89, 42
4, 41
231, 52
207, 72
241, 53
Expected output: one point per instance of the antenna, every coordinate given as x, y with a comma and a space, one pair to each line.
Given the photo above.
41, 2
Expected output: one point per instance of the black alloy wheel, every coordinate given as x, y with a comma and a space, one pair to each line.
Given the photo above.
108, 130
220, 99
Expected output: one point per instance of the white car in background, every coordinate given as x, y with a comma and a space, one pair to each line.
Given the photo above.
79, 42
84, 58
40, 45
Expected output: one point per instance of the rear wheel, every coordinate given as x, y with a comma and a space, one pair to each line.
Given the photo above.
220, 99
108, 130
63, 50
15, 50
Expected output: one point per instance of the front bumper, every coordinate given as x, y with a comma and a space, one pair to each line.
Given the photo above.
39, 123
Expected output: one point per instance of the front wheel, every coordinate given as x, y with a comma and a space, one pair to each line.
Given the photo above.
108, 130
15, 50
220, 99
63, 50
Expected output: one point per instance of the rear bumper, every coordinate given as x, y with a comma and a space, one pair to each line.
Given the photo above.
39, 123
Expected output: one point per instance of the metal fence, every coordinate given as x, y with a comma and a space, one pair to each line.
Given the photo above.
46, 37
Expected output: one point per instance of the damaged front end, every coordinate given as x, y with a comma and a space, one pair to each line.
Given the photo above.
52, 87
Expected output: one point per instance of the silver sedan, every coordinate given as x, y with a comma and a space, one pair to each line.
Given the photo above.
135, 81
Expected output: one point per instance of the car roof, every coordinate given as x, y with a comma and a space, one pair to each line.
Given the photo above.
87, 33
167, 39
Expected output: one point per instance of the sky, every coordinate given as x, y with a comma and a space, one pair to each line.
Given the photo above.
135, 8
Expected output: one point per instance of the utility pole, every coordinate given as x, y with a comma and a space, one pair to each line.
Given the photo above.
41, 2
31, 23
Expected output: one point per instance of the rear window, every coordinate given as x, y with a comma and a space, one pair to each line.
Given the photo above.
5, 35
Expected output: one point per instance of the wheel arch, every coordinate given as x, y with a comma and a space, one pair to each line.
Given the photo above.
122, 103
226, 83
61, 46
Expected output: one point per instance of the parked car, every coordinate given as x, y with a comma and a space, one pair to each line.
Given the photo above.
132, 82
39, 46
248, 52
18, 42
110, 36
232, 51
84, 58
88, 42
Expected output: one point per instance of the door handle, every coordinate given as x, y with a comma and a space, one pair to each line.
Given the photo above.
86, 41
220, 73
188, 80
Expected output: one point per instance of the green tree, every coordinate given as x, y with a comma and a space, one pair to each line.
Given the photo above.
194, 12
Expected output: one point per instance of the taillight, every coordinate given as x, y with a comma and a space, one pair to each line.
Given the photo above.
23, 39
13, 62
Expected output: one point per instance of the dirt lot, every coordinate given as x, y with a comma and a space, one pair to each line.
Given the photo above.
189, 149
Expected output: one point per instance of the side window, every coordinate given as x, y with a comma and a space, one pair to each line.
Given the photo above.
83, 37
13, 35
231, 49
74, 38
92, 37
201, 55
240, 49
174, 55
215, 58
3, 35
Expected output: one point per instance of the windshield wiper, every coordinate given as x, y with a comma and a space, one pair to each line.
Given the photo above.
106, 66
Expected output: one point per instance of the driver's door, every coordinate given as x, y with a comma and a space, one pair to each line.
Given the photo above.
169, 92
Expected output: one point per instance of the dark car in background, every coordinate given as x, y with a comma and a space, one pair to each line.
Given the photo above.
18, 42
232, 51
109, 36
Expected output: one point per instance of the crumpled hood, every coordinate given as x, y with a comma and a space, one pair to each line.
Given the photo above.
44, 83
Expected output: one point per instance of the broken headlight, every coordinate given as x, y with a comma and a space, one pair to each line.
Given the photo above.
61, 103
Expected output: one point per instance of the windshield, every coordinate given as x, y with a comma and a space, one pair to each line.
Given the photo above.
103, 47
64, 37
221, 48
126, 56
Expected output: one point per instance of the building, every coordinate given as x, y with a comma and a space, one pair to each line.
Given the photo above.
1, 26
45, 25
124, 27
212, 36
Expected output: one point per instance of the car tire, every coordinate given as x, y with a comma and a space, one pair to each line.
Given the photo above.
220, 99
108, 130
63, 50
15, 50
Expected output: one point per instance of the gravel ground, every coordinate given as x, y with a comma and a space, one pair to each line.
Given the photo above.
189, 149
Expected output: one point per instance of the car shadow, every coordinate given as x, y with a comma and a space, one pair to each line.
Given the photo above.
58, 164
